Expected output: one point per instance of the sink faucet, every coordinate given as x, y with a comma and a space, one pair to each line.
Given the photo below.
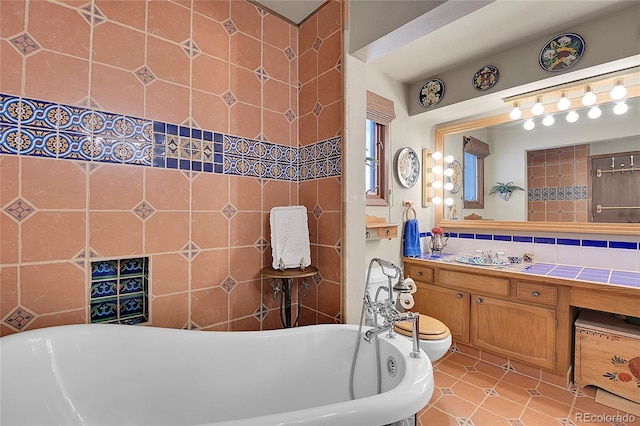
486, 254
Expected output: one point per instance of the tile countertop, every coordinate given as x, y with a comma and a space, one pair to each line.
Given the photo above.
595, 275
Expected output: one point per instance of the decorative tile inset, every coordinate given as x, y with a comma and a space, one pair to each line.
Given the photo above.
20, 209
317, 211
92, 14
260, 312
145, 75
261, 244
533, 392
262, 74
120, 291
317, 44
25, 44
516, 422
446, 391
19, 318
190, 48
228, 284
317, 109
229, 99
144, 210
229, 211
290, 115
190, 250
489, 391
290, 53
230, 26
470, 368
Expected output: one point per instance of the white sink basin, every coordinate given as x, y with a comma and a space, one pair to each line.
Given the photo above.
481, 261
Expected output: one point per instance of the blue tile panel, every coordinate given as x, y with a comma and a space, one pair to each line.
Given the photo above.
44, 129
603, 276
120, 291
625, 245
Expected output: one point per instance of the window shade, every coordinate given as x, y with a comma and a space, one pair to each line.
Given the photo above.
475, 146
380, 109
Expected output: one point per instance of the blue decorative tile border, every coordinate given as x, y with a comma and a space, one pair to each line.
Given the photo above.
120, 291
556, 193
542, 240
45, 129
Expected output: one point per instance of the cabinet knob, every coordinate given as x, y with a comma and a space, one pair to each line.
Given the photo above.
419, 274
459, 295
368, 234
388, 232
535, 294
479, 300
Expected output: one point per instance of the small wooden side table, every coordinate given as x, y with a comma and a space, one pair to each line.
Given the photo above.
284, 287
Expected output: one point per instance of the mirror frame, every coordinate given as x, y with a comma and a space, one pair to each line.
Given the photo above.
565, 227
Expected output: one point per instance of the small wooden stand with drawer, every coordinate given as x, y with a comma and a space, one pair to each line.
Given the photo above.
608, 354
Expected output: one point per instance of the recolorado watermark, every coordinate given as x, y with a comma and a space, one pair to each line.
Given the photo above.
601, 418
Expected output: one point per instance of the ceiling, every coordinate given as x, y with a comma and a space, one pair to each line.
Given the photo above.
458, 37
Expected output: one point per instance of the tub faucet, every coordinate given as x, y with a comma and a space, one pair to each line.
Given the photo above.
391, 315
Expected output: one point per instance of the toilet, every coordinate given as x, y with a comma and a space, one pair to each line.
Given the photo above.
435, 336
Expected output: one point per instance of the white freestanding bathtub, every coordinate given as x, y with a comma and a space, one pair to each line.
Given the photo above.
135, 375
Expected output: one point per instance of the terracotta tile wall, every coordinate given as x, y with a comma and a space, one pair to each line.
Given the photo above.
557, 184
223, 66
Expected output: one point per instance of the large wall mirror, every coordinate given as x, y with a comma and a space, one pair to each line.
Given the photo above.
513, 151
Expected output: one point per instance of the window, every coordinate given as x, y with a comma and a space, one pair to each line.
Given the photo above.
376, 165
473, 165
380, 113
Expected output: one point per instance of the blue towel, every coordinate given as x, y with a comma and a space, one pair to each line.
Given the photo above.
412, 239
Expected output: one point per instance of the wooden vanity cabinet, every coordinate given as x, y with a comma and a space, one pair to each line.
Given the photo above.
449, 306
496, 312
514, 330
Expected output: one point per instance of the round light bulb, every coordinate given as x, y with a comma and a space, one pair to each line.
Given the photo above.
620, 108
448, 186
548, 120
448, 159
448, 201
564, 103
436, 200
618, 92
589, 97
538, 108
436, 155
529, 124
572, 116
515, 113
436, 169
448, 172
594, 112
436, 184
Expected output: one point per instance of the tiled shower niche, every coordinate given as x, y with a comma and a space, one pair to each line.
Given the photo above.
120, 291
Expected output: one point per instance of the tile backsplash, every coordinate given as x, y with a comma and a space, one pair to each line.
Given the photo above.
620, 252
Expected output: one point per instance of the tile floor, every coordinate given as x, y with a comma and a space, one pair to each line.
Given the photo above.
472, 392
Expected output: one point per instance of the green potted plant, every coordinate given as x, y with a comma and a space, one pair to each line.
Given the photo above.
505, 189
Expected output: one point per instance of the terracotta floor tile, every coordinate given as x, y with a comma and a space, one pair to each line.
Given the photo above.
483, 417
469, 392
535, 418
490, 369
512, 393
455, 406
556, 393
480, 379
549, 406
462, 359
435, 417
589, 405
518, 379
451, 368
503, 407
444, 380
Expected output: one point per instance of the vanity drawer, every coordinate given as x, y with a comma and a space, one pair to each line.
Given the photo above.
419, 273
478, 283
537, 293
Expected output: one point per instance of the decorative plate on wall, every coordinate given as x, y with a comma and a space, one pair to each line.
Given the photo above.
456, 178
561, 52
408, 167
431, 92
485, 78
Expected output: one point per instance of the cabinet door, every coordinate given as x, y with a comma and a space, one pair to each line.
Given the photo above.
449, 306
522, 332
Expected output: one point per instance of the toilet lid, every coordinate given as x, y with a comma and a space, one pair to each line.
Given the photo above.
430, 328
